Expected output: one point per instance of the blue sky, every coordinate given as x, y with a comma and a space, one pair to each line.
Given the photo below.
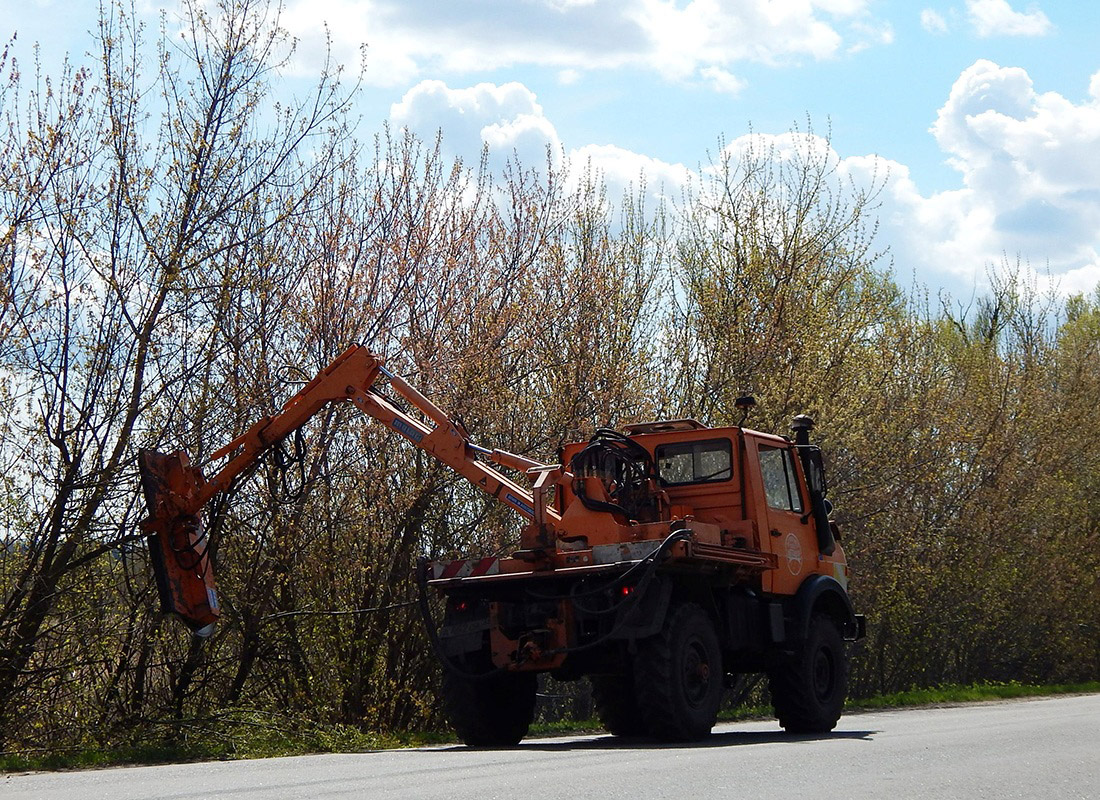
984, 113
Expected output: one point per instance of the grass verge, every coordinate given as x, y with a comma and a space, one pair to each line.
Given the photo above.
971, 693
251, 734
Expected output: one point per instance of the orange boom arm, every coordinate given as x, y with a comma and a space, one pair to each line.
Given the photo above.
176, 492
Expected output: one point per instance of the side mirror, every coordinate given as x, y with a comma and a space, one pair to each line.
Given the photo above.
820, 508
815, 472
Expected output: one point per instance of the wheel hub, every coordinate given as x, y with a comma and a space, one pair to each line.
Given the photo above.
823, 675
696, 674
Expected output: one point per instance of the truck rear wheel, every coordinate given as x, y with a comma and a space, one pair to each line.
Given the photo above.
808, 692
491, 711
617, 705
678, 677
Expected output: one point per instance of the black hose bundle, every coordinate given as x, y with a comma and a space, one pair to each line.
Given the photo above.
626, 470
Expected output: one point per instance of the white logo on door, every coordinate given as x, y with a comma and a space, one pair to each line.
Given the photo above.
794, 553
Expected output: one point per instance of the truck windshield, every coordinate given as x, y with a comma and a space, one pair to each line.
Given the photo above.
695, 462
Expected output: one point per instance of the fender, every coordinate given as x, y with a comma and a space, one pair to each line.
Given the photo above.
645, 617
823, 591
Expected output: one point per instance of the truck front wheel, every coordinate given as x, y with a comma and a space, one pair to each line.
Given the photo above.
808, 692
678, 677
494, 710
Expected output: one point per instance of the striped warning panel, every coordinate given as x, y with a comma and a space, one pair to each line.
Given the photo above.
465, 568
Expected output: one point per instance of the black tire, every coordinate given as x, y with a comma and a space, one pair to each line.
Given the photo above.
808, 692
678, 677
493, 711
616, 705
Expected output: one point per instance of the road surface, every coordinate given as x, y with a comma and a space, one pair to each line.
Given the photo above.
1043, 749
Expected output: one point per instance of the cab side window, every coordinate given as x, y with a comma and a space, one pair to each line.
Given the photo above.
695, 462
780, 482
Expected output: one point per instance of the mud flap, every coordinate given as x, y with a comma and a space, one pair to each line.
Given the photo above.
647, 616
177, 542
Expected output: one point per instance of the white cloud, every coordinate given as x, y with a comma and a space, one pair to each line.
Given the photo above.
1030, 184
624, 171
349, 25
1029, 181
998, 18
933, 21
870, 35
407, 39
1000, 131
680, 39
567, 77
509, 119
722, 81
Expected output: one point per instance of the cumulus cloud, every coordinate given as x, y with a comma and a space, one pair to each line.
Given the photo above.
1002, 131
626, 172
998, 18
506, 118
1030, 183
509, 120
408, 38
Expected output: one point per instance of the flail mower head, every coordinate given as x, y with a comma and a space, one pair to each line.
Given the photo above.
177, 541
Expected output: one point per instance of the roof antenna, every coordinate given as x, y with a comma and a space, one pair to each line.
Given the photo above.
746, 403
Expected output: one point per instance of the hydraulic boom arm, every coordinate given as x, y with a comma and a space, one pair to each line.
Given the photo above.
176, 492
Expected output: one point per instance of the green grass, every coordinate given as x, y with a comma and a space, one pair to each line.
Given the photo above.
252, 734
231, 735
976, 692
939, 695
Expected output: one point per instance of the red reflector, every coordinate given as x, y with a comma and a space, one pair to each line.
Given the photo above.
461, 605
626, 590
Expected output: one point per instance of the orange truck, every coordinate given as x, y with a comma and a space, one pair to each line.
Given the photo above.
664, 562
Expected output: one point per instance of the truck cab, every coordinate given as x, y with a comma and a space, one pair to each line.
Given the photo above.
751, 486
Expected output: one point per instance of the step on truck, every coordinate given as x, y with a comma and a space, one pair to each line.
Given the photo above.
665, 562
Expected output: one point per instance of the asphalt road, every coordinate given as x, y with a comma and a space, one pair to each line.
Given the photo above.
1045, 748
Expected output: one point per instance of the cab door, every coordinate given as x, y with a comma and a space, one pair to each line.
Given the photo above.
781, 511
